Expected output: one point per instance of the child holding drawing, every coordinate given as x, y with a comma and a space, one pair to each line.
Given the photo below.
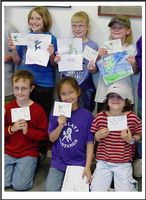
71, 137
39, 21
80, 28
116, 144
23, 136
120, 28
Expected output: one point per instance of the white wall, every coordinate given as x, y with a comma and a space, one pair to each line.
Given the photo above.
99, 31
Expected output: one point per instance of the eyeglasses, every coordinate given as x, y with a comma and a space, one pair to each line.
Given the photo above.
23, 89
66, 93
115, 96
80, 26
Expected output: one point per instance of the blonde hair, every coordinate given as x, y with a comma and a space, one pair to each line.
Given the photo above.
45, 14
80, 16
127, 24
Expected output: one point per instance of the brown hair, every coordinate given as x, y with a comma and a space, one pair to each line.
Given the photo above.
67, 80
45, 14
23, 74
127, 107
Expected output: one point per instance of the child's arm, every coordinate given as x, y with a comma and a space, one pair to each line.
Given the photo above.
54, 135
52, 56
15, 55
132, 61
89, 158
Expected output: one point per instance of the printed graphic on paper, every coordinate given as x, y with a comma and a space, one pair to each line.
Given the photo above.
37, 52
20, 113
70, 51
113, 46
62, 108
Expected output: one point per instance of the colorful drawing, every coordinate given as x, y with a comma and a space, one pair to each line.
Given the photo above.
114, 67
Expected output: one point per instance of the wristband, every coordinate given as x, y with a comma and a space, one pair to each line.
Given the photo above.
9, 130
132, 141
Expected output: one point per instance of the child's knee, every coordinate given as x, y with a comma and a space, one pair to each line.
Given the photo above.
22, 185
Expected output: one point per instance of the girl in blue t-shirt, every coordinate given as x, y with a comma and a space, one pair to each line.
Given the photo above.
71, 137
39, 21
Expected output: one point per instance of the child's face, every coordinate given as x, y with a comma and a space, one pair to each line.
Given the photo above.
36, 22
21, 90
69, 94
118, 31
79, 29
115, 102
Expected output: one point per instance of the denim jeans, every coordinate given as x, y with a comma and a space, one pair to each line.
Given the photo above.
105, 171
54, 180
19, 172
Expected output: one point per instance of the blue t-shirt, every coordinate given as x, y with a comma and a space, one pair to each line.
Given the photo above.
44, 76
81, 75
70, 148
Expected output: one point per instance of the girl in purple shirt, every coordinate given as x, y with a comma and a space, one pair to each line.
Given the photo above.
73, 141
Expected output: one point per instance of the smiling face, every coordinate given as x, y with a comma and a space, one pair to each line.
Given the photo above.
21, 90
36, 22
79, 29
69, 94
118, 31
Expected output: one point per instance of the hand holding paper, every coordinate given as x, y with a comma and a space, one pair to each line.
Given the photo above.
19, 38
73, 180
113, 46
90, 54
117, 123
62, 108
20, 113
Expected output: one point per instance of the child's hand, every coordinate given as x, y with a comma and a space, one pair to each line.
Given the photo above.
11, 44
102, 52
126, 135
25, 128
57, 58
131, 60
51, 49
18, 125
62, 120
102, 133
87, 173
91, 66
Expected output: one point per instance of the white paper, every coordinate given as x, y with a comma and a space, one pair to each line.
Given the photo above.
73, 181
62, 108
117, 123
37, 52
70, 51
90, 54
113, 46
19, 38
20, 113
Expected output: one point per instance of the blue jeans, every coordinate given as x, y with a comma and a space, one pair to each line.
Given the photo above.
19, 172
54, 180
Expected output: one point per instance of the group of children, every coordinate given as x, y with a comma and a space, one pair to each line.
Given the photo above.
73, 138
